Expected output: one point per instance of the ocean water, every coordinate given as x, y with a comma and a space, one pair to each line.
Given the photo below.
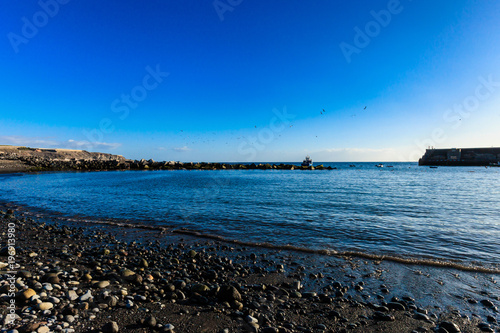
407, 211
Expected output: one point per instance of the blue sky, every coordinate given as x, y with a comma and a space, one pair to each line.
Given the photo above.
240, 80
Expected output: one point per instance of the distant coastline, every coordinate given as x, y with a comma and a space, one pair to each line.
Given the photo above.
27, 159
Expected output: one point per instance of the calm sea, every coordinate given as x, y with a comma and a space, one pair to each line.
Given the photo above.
405, 210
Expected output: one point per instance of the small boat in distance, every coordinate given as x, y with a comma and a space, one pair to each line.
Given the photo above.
307, 161
379, 165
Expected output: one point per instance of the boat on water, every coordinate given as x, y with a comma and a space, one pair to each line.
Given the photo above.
307, 161
379, 165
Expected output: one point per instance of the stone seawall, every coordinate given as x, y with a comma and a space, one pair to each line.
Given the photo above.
25, 159
461, 157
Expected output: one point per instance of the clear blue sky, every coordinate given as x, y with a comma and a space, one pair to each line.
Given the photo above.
199, 80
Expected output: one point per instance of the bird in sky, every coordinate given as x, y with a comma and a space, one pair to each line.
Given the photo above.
364, 108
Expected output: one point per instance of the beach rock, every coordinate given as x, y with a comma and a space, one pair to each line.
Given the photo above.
144, 263
45, 306
71, 295
127, 273
54, 300
43, 329
150, 321
210, 275
102, 284
111, 301
450, 327
69, 318
168, 328
320, 327
377, 315
200, 288
180, 284
27, 294
485, 328
23, 273
487, 303
309, 294
51, 278
228, 294
110, 327
47, 286
86, 296
30, 327
396, 306
296, 285
421, 316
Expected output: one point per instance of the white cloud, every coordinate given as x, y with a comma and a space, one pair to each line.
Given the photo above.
358, 154
73, 144
359, 150
19, 140
181, 149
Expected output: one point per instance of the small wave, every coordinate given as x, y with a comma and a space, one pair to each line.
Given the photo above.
326, 252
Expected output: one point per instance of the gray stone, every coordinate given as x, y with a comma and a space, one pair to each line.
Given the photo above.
450, 327
43, 329
150, 321
229, 293
111, 327
71, 295
69, 318
102, 284
86, 296
45, 306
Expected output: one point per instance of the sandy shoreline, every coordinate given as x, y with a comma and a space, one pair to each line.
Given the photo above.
199, 285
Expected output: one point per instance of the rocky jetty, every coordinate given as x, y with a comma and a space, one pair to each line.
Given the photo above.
80, 278
25, 159
15, 158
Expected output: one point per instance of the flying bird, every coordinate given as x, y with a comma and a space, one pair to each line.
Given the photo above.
364, 108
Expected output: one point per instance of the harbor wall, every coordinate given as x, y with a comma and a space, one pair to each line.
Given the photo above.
461, 156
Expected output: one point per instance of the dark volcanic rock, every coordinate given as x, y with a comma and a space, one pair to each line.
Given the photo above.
228, 294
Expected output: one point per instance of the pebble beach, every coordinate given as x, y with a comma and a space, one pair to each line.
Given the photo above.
69, 277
